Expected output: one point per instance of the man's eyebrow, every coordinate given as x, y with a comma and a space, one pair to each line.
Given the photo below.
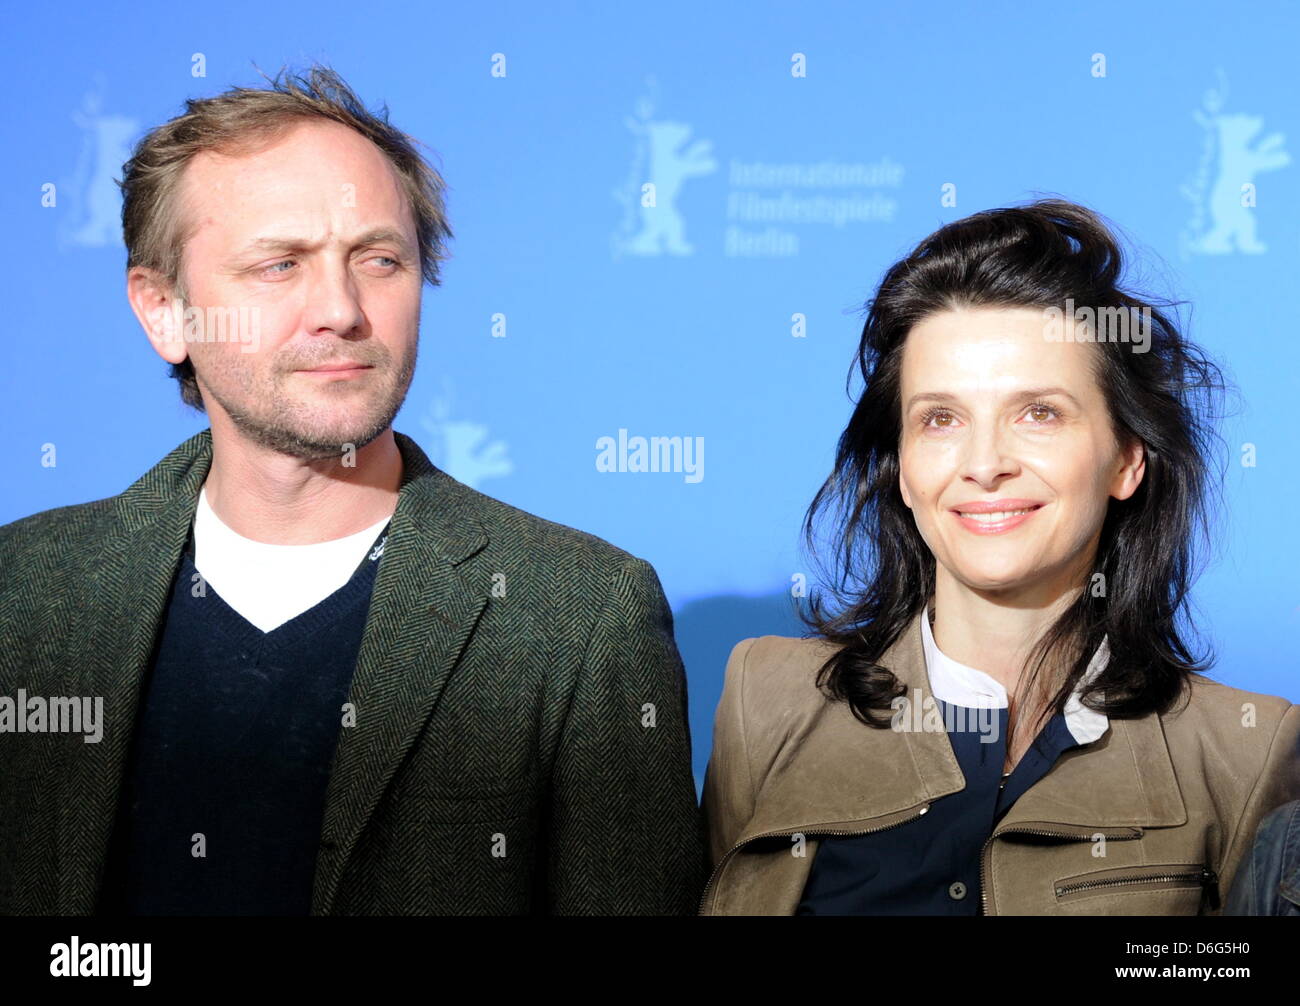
379, 235
1021, 394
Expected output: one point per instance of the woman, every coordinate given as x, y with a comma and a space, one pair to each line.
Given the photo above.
998, 712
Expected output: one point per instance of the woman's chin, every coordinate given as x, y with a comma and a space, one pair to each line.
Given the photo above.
1000, 581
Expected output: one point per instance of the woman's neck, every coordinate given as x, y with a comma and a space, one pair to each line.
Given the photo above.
993, 634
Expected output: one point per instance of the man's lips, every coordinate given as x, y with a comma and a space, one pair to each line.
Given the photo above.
347, 366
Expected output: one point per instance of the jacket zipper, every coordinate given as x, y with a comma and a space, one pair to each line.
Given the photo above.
984, 887
798, 831
1209, 880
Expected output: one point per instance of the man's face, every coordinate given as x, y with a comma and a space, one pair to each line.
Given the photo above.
994, 412
314, 236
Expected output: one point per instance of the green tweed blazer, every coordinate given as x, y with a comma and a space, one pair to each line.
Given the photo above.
521, 741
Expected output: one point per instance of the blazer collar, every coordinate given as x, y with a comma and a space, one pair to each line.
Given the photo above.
423, 608
166, 496
838, 775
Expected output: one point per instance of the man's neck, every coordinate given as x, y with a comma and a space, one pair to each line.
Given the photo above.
280, 500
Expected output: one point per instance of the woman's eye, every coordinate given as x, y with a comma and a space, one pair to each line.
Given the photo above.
942, 419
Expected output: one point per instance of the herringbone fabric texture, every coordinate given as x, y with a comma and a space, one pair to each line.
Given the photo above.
521, 741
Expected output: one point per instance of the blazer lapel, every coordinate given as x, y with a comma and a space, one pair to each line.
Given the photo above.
124, 601
1125, 779
422, 612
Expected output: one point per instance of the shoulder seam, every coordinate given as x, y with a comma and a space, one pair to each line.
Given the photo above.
744, 733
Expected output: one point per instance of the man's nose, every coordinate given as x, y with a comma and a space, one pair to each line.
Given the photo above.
333, 300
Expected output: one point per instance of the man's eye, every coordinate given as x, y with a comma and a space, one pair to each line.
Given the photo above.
385, 259
275, 266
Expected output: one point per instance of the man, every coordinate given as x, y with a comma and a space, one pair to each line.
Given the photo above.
334, 680
1268, 880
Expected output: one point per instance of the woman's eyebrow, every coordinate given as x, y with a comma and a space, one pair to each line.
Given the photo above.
1018, 395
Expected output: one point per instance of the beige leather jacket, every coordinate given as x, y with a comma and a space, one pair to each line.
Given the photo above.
1151, 819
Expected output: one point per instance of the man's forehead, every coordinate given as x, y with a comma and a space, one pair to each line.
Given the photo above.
306, 158
291, 181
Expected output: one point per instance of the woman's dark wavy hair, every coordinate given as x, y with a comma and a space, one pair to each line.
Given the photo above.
881, 572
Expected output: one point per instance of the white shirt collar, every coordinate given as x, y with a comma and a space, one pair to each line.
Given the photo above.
960, 685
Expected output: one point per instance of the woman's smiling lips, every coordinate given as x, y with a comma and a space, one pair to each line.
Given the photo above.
995, 516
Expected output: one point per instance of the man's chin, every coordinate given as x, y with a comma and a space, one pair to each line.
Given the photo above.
317, 442
343, 442
306, 428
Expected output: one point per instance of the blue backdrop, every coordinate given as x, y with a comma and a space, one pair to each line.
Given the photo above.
797, 150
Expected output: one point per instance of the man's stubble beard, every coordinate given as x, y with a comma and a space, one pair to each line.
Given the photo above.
286, 429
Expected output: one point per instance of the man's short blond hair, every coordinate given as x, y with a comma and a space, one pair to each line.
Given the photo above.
243, 119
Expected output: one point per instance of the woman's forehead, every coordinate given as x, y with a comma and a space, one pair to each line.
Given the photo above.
993, 350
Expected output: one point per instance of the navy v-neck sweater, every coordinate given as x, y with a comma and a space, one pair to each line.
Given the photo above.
223, 800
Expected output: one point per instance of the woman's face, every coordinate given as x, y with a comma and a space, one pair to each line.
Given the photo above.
995, 413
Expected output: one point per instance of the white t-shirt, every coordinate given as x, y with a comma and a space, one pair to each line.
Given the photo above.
271, 584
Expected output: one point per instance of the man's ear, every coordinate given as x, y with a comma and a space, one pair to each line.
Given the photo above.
160, 310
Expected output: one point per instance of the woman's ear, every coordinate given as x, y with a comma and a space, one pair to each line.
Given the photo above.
1132, 467
902, 489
